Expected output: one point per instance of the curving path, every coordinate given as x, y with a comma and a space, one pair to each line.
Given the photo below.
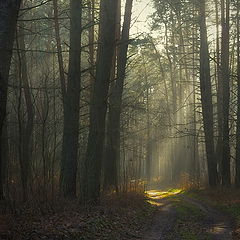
180, 217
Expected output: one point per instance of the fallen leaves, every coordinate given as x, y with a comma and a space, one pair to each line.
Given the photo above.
119, 217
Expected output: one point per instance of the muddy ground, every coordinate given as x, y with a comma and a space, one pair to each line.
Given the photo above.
181, 217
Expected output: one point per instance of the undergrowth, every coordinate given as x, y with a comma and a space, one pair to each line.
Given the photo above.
120, 216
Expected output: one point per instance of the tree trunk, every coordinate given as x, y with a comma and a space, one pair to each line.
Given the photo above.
226, 178
27, 127
219, 146
91, 19
112, 150
237, 179
71, 105
59, 49
148, 127
91, 174
206, 98
8, 18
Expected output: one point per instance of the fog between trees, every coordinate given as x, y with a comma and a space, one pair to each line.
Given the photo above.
88, 106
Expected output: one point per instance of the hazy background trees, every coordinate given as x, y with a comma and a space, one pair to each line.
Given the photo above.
93, 105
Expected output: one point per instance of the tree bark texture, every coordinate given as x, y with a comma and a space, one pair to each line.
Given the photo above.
206, 97
71, 105
91, 174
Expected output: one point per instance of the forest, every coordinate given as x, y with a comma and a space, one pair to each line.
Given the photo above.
119, 119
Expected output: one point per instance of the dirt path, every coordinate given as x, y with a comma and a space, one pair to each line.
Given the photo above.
180, 217
162, 223
220, 225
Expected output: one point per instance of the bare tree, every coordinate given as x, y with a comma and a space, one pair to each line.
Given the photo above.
91, 172
8, 19
59, 49
237, 179
206, 97
113, 137
225, 76
71, 104
26, 126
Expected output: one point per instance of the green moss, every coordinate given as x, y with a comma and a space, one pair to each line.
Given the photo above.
186, 235
175, 190
189, 220
185, 210
233, 210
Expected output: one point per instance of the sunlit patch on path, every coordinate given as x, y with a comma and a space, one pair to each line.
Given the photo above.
156, 194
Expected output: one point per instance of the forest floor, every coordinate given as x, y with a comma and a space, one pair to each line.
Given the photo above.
172, 214
119, 217
194, 215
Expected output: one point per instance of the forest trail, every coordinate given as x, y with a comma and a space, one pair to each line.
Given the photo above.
181, 217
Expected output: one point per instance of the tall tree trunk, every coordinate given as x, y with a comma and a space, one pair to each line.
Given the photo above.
113, 140
8, 19
71, 105
27, 127
59, 49
206, 98
219, 146
149, 159
112, 150
195, 161
91, 174
91, 19
226, 178
148, 125
237, 179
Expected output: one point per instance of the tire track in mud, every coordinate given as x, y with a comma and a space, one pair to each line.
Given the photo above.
214, 226
220, 226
